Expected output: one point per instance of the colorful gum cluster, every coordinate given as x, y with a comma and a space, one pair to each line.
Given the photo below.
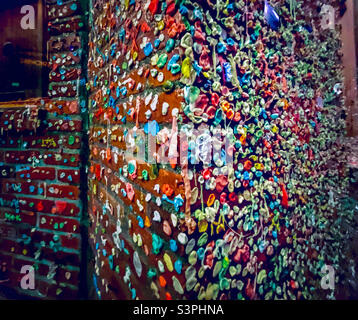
265, 78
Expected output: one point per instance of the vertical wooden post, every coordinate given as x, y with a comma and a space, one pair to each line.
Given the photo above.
349, 25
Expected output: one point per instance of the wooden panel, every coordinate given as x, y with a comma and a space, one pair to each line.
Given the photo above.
349, 24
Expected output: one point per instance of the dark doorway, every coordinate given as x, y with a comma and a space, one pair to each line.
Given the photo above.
23, 71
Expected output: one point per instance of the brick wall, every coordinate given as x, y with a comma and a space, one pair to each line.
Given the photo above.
177, 230
42, 161
162, 227
115, 110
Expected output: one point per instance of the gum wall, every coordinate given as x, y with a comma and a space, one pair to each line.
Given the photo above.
185, 150
216, 170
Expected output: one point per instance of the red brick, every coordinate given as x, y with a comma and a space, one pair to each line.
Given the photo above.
59, 223
61, 191
53, 142
71, 90
6, 171
10, 142
61, 11
64, 125
68, 176
61, 257
8, 231
71, 242
63, 293
38, 173
63, 107
7, 258
21, 157
21, 217
62, 159
59, 207
67, 26
21, 187
69, 75
57, 60
42, 189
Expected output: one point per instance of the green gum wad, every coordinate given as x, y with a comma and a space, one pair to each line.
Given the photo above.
203, 239
153, 172
162, 60
168, 86
131, 168
157, 243
170, 45
145, 174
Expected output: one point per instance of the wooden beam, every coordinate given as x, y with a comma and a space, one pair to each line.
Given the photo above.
349, 24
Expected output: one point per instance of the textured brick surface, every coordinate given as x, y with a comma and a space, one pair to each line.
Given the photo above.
40, 164
275, 94
264, 88
135, 95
